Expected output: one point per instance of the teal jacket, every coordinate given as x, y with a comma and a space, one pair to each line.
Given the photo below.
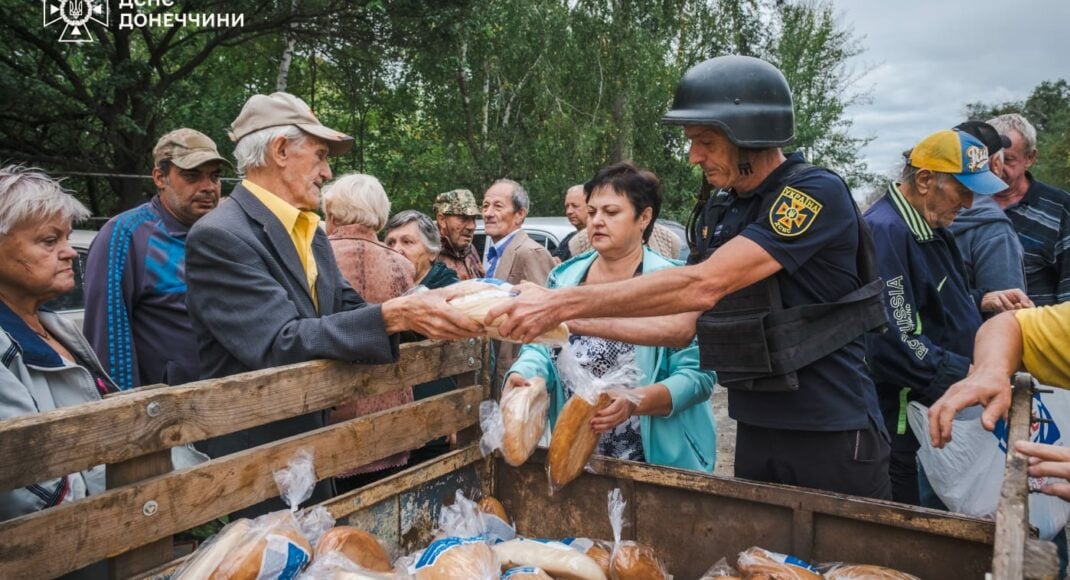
686, 438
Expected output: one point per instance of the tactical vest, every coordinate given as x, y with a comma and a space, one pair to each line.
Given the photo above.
749, 338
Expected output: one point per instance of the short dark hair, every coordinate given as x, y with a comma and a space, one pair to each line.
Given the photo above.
164, 165
640, 186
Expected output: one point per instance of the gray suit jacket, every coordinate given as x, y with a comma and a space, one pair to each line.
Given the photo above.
251, 308
523, 259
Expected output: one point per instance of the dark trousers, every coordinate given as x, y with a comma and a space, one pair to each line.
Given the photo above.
851, 462
903, 469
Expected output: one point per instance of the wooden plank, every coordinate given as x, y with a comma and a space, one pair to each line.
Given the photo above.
154, 553
112, 523
147, 420
802, 533
1012, 516
857, 508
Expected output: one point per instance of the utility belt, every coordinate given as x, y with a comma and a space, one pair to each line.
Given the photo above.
754, 343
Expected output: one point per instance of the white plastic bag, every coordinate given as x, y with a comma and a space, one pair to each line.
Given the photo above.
477, 296
516, 426
967, 474
464, 519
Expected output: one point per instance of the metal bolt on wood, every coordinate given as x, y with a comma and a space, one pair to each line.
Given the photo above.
471, 361
153, 409
150, 508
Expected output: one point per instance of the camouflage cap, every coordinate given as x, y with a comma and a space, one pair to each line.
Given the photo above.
457, 202
187, 149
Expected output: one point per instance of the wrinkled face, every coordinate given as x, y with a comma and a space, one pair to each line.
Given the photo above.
406, 239
499, 217
613, 225
305, 170
576, 208
945, 197
715, 154
458, 229
189, 194
1016, 160
36, 259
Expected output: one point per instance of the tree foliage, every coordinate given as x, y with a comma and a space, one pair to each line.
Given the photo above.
438, 95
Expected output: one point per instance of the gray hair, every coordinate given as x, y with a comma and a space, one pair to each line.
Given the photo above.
428, 230
520, 195
356, 198
251, 150
27, 194
1013, 121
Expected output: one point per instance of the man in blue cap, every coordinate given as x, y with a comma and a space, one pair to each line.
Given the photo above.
933, 314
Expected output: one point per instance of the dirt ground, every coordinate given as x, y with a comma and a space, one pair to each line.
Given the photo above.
726, 433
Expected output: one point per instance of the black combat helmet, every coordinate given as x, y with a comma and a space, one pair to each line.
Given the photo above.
746, 97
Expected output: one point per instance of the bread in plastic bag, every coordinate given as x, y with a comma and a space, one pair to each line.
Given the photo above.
335, 566
516, 426
477, 296
721, 569
630, 560
490, 505
598, 550
526, 573
465, 519
363, 549
555, 558
454, 558
761, 562
842, 571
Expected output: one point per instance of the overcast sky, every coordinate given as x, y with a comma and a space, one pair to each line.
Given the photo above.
928, 58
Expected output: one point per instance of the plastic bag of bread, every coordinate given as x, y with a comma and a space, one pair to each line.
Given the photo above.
526, 573
466, 519
597, 550
841, 571
630, 560
722, 570
477, 296
335, 566
763, 563
573, 441
515, 426
555, 558
363, 549
455, 558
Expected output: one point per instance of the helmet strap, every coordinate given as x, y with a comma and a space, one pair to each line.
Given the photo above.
744, 165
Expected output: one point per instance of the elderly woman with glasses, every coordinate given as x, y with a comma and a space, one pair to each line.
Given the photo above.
46, 361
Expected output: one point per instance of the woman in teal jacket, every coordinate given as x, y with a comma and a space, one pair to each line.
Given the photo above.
673, 423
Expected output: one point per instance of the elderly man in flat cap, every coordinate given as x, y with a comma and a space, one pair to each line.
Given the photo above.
455, 213
264, 288
135, 275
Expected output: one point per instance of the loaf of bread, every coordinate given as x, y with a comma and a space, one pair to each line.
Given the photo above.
573, 441
866, 572
454, 558
360, 547
632, 561
556, 558
524, 420
475, 298
490, 505
206, 559
600, 552
757, 562
526, 573
273, 548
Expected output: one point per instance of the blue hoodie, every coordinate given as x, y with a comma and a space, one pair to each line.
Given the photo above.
989, 246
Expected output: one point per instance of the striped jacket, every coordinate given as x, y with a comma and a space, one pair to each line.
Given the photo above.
1042, 220
135, 299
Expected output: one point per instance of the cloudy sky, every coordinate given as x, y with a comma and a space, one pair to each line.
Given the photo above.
927, 58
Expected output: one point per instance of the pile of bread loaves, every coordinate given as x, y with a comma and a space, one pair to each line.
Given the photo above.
761, 564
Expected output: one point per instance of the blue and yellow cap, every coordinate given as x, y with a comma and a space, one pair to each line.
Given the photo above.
960, 154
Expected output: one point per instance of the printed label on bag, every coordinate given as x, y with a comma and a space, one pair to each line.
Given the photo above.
282, 559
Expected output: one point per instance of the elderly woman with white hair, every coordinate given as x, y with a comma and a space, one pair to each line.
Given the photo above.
46, 361
416, 236
355, 208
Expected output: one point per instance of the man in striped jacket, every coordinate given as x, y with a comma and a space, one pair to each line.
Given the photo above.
135, 281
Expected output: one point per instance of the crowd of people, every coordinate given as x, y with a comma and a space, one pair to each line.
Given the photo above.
822, 322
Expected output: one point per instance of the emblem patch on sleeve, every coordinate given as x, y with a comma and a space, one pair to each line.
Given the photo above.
792, 212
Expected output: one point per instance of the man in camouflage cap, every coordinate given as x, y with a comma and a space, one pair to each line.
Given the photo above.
135, 276
456, 212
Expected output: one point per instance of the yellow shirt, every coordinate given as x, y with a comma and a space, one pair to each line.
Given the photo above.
1046, 343
301, 225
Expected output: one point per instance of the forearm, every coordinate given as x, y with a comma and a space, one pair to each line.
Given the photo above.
997, 350
656, 401
676, 331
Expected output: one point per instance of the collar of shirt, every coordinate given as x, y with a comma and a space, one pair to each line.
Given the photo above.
301, 225
917, 224
174, 227
495, 251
